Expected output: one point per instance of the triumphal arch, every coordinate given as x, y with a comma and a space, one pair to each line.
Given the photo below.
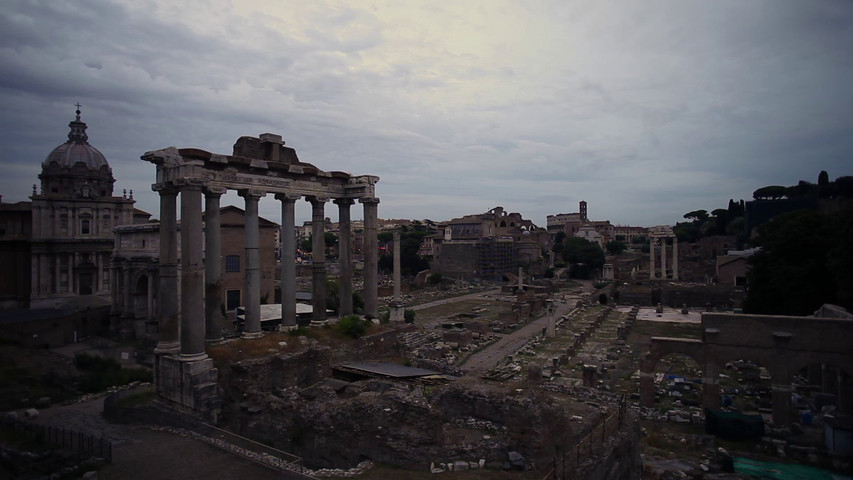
184, 375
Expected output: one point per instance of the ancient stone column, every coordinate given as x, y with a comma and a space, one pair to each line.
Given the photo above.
168, 329
212, 264
371, 258
663, 258
675, 258
651, 258
252, 285
647, 389
397, 293
318, 257
127, 300
99, 280
288, 259
192, 273
57, 275
344, 255
711, 386
149, 305
397, 313
780, 395
114, 292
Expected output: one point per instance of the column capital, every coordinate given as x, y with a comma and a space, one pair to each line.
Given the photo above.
343, 202
369, 200
164, 188
214, 191
287, 197
251, 193
317, 199
189, 183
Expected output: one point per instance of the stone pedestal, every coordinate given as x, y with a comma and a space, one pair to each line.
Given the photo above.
188, 386
397, 312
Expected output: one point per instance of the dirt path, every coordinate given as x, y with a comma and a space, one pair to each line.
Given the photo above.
444, 301
487, 358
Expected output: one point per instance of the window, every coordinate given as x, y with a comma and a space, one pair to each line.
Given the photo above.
232, 299
84, 227
232, 263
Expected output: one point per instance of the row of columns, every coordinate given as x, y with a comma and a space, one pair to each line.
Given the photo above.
188, 337
652, 273
47, 273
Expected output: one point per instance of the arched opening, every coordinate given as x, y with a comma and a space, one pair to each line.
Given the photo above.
677, 384
821, 389
746, 386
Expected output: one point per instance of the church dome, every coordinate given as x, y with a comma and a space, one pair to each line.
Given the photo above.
77, 150
76, 169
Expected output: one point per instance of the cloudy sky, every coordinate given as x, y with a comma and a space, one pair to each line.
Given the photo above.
646, 110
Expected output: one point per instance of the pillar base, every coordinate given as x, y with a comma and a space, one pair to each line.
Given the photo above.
188, 386
166, 348
252, 334
192, 357
397, 312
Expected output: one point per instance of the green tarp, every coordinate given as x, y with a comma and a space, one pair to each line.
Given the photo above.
783, 471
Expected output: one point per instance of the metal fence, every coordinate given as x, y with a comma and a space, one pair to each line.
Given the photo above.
567, 460
85, 444
288, 465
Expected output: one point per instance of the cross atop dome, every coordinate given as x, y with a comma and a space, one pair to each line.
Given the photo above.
78, 129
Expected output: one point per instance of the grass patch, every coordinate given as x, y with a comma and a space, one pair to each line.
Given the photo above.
102, 373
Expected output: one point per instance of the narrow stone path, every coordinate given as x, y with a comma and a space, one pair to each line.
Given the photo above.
486, 359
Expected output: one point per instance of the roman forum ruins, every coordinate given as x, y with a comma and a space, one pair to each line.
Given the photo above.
184, 375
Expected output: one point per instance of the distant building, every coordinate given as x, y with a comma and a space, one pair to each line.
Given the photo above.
579, 225
732, 268
16, 232
67, 241
485, 245
136, 268
234, 257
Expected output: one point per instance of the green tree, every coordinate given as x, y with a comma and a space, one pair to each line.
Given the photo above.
615, 247
804, 262
770, 192
410, 243
586, 257
697, 215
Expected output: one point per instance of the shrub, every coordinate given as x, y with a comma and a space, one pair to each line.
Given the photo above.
352, 326
409, 316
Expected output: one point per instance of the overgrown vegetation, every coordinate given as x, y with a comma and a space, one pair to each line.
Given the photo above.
411, 238
352, 326
585, 257
101, 373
